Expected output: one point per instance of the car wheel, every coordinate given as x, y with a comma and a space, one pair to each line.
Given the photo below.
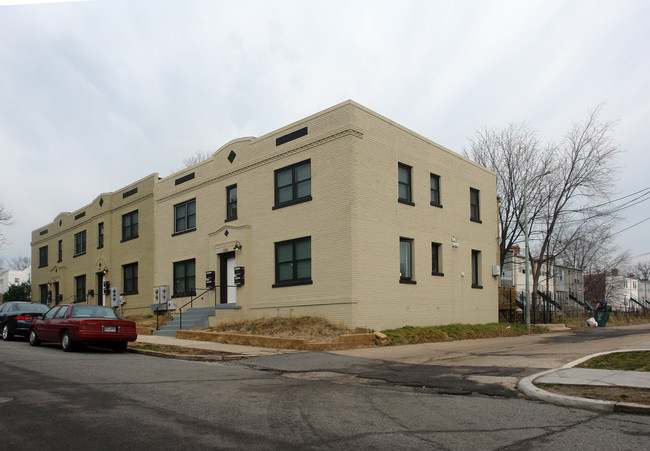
66, 343
120, 346
6, 336
33, 339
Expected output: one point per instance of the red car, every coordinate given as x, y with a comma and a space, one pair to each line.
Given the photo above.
82, 324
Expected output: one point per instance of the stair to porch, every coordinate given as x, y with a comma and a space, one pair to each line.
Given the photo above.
194, 318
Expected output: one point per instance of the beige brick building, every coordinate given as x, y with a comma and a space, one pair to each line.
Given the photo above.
344, 214
109, 240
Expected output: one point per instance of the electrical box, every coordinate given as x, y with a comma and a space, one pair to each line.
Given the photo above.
115, 297
209, 279
239, 275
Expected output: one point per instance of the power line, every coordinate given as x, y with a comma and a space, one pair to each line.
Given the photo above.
628, 228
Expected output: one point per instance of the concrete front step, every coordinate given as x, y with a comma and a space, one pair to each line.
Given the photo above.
194, 318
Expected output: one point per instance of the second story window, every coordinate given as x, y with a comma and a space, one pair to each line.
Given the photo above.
185, 217
100, 235
80, 243
130, 226
42, 256
231, 203
60, 259
435, 190
475, 210
293, 184
404, 182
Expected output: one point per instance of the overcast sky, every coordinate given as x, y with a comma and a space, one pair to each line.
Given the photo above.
97, 95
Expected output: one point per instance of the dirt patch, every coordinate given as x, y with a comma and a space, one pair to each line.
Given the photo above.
149, 320
312, 329
617, 394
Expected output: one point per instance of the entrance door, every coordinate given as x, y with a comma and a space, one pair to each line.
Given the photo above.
227, 288
100, 288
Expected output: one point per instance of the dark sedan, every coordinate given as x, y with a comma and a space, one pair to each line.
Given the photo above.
74, 325
15, 317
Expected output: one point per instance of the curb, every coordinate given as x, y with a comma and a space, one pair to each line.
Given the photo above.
527, 387
195, 358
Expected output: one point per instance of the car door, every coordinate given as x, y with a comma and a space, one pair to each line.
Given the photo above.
44, 328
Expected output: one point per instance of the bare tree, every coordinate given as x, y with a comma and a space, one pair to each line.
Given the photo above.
6, 218
517, 157
565, 208
21, 263
197, 158
582, 179
642, 270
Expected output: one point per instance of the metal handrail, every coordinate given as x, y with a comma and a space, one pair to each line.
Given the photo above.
180, 310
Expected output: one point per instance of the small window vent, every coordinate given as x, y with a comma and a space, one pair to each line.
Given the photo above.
43, 232
130, 192
231, 156
291, 136
80, 215
184, 179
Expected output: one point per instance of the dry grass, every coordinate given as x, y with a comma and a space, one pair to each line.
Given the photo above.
149, 320
310, 328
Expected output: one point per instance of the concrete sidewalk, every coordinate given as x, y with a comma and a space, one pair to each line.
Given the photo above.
568, 375
239, 350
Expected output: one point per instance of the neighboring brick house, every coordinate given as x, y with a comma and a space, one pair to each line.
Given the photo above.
344, 214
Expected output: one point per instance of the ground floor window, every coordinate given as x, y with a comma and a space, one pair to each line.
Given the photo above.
293, 262
80, 288
184, 278
476, 269
406, 260
130, 273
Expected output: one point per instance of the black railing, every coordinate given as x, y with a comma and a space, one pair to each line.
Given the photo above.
190, 303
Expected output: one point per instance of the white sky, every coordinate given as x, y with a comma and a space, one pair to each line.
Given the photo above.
97, 95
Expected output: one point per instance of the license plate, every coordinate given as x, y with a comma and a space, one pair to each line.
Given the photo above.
109, 328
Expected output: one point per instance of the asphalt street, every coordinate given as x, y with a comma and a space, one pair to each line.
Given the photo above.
96, 399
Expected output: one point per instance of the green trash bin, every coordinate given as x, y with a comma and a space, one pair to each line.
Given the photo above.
601, 318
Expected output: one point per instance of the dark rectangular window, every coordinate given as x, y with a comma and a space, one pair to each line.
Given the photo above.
80, 288
475, 211
43, 232
60, 259
291, 136
42, 256
80, 215
130, 192
436, 259
100, 235
476, 269
184, 278
80, 243
404, 183
293, 184
130, 226
293, 262
184, 179
231, 203
435, 190
130, 273
185, 216
406, 260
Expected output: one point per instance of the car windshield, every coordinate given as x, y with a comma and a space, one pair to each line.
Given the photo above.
29, 307
92, 311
